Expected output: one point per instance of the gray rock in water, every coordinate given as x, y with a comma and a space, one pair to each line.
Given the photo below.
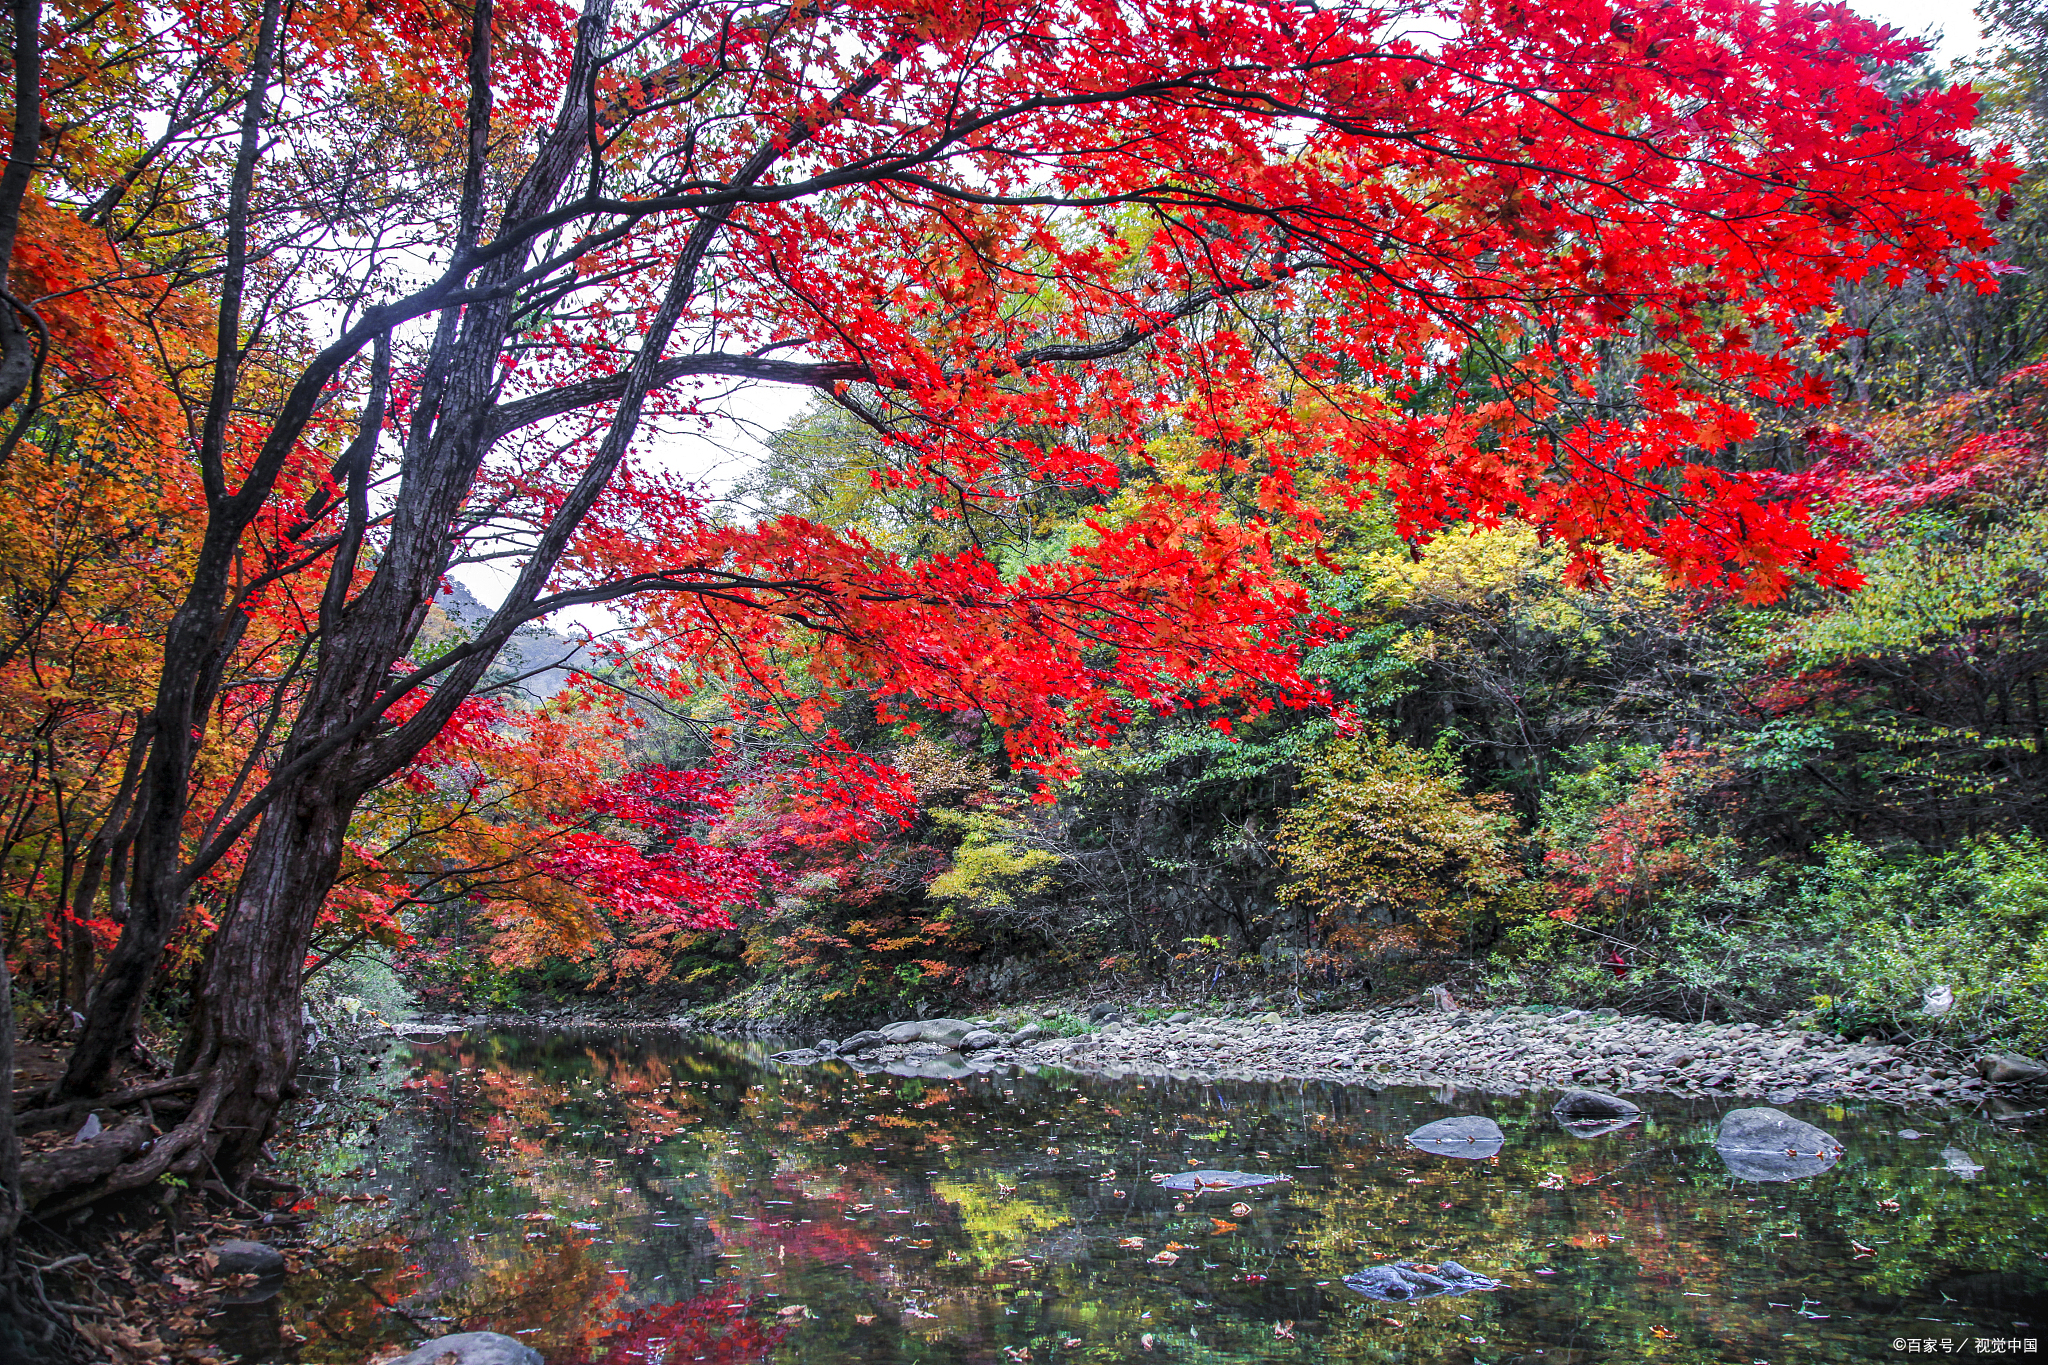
1406, 1281
1470, 1136
474, 1348
1220, 1182
861, 1042
980, 1041
2003, 1068
828, 1046
1593, 1113
1961, 1163
241, 1257
798, 1056
1769, 1145
1581, 1105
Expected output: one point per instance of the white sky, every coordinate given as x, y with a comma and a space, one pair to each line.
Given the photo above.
1961, 33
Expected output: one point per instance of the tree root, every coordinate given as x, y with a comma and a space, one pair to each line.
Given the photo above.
124, 1158
59, 1114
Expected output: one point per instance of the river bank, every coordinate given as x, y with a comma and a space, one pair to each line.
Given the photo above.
1500, 1050
1510, 1050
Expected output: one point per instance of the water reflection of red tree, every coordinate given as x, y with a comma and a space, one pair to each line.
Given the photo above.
708, 1328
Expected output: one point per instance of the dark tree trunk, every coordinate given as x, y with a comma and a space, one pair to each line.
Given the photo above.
246, 1030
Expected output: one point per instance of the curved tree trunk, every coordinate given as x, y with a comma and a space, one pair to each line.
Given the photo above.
246, 1032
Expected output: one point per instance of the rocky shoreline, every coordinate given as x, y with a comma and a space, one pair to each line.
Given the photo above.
1504, 1050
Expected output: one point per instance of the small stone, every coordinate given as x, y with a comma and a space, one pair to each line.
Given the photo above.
1029, 1033
980, 1041
797, 1056
1183, 1017
1215, 1181
473, 1348
828, 1046
861, 1042
1049, 1013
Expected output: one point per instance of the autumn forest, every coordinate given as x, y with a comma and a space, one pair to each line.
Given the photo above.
1306, 502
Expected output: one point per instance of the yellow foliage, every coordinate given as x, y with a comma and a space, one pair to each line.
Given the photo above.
1388, 853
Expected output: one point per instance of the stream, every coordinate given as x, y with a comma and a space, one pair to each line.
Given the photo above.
647, 1198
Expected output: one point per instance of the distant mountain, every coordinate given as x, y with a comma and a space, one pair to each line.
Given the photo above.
534, 650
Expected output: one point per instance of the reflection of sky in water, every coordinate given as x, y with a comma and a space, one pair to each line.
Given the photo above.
649, 1200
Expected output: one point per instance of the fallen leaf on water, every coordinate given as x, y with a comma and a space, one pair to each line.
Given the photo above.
1132, 1243
1070, 1342
1240, 1210
1017, 1352
1220, 1226
1862, 1251
1890, 1205
863, 1318
795, 1310
1164, 1258
1178, 1246
1146, 1341
536, 1217
1284, 1330
921, 1243
1663, 1333
870, 1208
1003, 1189
1159, 1178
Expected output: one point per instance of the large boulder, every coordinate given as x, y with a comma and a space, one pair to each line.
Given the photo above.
473, 1348
1769, 1145
2006, 1068
946, 1032
861, 1042
240, 1257
1406, 1281
1472, 1137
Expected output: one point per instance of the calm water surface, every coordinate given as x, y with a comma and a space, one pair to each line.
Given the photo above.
640, 1199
